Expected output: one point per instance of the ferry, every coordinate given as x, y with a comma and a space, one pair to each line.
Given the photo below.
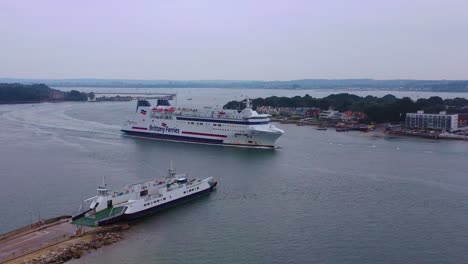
141, 199
207, 125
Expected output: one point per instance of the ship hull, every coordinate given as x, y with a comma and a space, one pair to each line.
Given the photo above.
156, 209
199, 140
205, 125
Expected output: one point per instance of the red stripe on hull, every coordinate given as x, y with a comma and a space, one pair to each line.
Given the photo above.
140, 128
203, 134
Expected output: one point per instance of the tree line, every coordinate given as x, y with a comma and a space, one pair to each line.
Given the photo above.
21, 93
384, 109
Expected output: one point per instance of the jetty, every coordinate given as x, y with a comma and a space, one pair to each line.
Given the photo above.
55, 240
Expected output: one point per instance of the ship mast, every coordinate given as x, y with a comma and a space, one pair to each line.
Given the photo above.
171, 171
248, 102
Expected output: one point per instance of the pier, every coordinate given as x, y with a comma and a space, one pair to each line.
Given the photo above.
54, 239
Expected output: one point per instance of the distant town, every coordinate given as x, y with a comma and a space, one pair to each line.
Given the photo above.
429, 118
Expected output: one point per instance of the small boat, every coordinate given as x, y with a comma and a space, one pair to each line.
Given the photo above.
321, 128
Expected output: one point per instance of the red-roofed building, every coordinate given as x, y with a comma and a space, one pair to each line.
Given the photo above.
312, 113
349, 115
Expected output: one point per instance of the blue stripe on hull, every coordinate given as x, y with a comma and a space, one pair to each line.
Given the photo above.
161, 207
174, 137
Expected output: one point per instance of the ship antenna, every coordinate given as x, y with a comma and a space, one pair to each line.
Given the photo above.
104, 181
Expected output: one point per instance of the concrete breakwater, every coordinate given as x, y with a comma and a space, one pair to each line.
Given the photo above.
55, 240
66, 252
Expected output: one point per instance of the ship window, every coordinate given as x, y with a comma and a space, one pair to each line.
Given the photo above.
164, 198
184, 191
198, 188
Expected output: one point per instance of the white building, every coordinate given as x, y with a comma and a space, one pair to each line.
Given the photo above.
330, 114
440, 121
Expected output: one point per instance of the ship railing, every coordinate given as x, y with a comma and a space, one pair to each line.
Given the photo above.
220, 116
207, 115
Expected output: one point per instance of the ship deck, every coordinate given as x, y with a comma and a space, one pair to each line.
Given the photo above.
93, 220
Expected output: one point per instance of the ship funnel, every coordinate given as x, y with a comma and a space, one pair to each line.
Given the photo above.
163, 102
142, 102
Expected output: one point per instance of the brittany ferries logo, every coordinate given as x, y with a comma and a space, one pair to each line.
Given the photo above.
164, 128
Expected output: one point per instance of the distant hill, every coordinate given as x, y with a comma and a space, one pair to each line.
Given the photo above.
23, 93
367, 84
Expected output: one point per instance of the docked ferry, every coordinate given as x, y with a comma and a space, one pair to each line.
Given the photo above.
207, 125
141, 199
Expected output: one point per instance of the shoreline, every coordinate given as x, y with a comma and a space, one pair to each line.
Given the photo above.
379, 130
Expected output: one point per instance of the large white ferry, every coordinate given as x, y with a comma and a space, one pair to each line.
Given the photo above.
140, 199
206, 125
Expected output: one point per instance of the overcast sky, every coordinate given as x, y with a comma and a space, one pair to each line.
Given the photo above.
250, 40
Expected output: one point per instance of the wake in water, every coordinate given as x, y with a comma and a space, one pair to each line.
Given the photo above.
53, 116
52, 121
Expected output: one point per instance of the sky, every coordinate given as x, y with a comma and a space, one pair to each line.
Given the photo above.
234, 40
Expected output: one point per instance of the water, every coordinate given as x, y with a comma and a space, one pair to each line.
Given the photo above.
323, 197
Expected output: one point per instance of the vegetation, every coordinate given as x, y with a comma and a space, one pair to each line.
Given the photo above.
20, 93
75, 96
384, 109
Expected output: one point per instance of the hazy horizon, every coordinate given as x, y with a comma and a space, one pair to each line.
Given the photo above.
234, 40
220, 80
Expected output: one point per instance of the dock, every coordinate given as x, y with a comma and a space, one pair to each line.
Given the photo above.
54, 238
35, 237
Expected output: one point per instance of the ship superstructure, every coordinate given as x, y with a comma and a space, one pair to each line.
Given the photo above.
140, 199
207, 125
